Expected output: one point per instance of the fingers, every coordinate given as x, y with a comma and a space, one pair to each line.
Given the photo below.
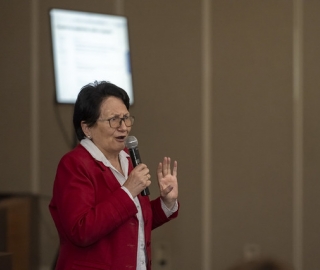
159, 171
141, 171
142, 168
144, 172
164, 168
138, 179
166, 165
167, 190
175, 168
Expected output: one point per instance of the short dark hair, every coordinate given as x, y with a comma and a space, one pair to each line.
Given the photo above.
88, 103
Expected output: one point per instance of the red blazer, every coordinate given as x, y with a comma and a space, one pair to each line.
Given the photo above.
95, 218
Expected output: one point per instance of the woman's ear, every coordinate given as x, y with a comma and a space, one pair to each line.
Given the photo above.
85, 129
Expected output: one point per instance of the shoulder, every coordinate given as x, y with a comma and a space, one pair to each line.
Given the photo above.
77, 156
79, 163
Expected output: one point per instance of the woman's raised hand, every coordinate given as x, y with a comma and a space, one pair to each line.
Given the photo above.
167, 181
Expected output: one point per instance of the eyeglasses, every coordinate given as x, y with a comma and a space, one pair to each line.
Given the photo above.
116, 121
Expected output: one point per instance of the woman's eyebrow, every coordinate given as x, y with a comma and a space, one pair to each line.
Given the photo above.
119, 114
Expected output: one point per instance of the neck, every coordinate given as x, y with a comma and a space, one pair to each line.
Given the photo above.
111, 156
115, 161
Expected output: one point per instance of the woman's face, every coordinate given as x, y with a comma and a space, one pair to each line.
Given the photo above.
109, 140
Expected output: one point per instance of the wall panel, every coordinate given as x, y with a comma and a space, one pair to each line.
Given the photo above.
311, 82
251, 130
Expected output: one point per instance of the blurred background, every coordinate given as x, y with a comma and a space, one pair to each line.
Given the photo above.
229, 88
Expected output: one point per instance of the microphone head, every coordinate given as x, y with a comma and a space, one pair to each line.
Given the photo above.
131, 142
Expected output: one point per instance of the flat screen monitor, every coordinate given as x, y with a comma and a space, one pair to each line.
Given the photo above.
89, 47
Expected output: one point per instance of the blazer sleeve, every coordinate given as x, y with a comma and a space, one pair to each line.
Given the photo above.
159, 217
83, 206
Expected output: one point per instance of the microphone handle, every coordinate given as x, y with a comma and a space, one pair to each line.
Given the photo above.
145, 192
136, 160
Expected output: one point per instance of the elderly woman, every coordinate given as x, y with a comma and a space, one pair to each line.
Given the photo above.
102, 220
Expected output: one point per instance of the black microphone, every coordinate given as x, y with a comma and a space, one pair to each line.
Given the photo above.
132, 144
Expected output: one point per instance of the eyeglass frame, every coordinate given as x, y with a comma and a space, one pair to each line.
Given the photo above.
122, 119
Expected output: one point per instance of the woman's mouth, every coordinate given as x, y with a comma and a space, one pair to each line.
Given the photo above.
120, 138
